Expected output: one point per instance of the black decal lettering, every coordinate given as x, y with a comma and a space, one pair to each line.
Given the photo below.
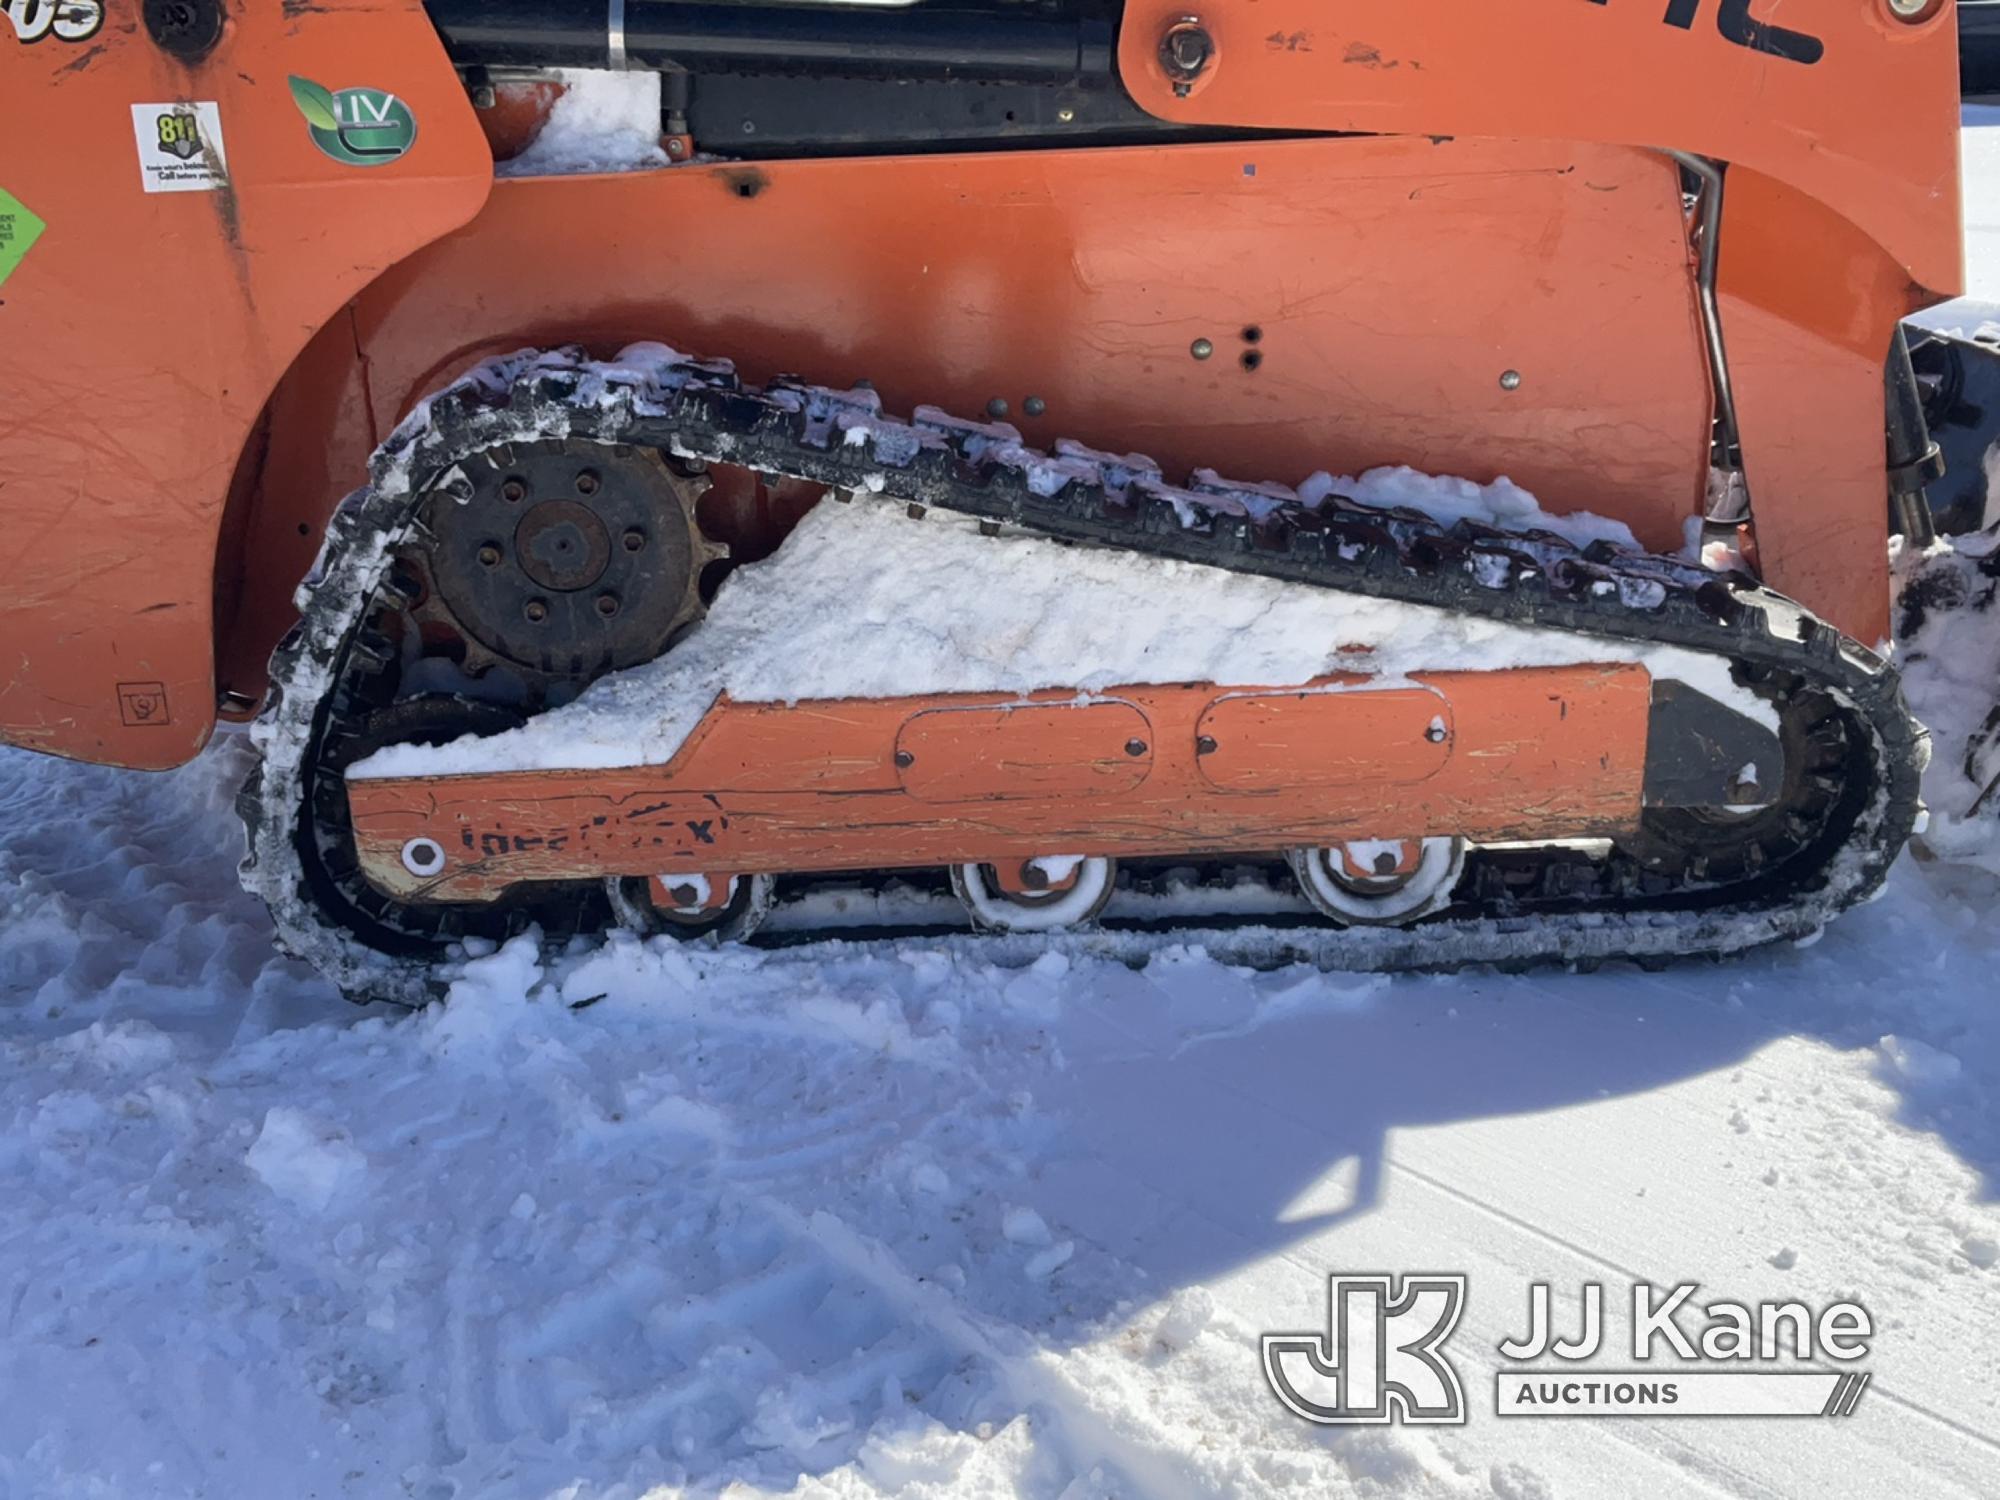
1735, 22
701, 832
1681, 13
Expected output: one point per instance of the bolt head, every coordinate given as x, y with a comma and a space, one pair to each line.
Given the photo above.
537, 610
633, 540
489, 556
1135, 747
513, 490
1908, 10
1510, 380
1185, 52
1201, 348
423, 857
1190, 49
607, 605
586, 482
1034, 406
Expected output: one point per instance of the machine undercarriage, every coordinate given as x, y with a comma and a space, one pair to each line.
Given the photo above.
631, 640
1648, 759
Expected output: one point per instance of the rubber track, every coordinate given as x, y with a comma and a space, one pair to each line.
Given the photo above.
699, 410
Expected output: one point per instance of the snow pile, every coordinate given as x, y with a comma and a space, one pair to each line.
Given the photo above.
604, 122
304, 1161
649, 1220
1948, 627
1502, 504
824, 618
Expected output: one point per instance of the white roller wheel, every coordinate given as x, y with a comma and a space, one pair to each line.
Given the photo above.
1034, 911
1385, 900
749, 902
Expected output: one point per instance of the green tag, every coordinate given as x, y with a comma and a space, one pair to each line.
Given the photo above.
19, 229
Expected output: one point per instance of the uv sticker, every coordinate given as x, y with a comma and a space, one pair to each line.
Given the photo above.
361, 127
19, 229
180, 147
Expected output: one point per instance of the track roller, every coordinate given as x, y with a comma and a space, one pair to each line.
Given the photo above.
1379, 882
1035, 895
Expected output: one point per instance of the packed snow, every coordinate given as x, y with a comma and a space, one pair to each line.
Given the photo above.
663, 1221
822, 618
651, 1220
603, 121
1949, 604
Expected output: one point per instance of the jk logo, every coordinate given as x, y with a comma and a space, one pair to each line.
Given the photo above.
1379, 1359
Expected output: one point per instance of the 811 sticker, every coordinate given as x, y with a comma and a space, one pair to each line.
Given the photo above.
180, 147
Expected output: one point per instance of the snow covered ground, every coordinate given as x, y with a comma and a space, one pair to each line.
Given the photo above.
902, 1222
908, 1223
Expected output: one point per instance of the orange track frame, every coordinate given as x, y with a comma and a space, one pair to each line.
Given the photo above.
1539, 753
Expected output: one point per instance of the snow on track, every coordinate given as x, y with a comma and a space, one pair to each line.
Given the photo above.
823, 618
901, 1222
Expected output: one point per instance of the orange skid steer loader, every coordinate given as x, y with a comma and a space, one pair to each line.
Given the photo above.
966, 571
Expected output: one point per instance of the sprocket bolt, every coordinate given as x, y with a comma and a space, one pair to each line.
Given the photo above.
537, 610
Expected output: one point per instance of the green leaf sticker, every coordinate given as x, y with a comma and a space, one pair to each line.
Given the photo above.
19, 229
359, 127
314, 102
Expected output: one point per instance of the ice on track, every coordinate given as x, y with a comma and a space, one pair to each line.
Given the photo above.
1500, 503
1950, 665
830, 615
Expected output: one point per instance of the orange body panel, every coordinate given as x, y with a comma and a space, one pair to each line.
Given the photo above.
1807, 334
1545, 753
1868, 126
144, 332
152, 527
1391, 282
